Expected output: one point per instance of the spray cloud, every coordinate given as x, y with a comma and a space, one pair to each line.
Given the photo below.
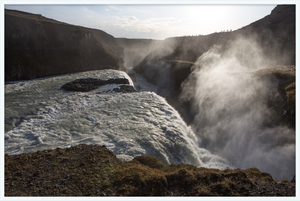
233, 117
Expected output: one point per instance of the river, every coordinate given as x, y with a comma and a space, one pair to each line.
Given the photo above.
40, 115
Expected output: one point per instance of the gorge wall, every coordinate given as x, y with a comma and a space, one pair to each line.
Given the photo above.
36, 47
135, 50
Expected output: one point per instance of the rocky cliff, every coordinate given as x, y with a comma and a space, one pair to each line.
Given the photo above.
135, 50
36, 47
276, 34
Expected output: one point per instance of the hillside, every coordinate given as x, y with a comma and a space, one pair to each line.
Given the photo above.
36, 47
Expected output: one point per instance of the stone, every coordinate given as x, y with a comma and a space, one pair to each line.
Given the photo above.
88, 84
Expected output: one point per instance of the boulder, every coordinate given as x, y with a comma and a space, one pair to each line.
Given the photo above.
124, 89
88, 84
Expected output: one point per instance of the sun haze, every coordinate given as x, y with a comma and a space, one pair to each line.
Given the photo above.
152, 21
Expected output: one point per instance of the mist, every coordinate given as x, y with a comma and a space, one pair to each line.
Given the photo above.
151, 59
233, 116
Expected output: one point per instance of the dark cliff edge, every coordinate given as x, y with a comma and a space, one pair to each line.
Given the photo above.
168, 67
37, 47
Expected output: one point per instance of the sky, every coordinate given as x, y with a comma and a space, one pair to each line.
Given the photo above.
152, 21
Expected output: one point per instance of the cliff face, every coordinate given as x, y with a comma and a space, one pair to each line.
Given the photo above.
276, 34
135, 50
36, 47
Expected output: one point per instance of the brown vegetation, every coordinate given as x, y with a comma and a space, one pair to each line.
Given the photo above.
93, 170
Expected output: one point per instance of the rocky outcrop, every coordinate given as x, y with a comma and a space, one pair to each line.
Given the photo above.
124, 89
281, 92
36, 47
88, 84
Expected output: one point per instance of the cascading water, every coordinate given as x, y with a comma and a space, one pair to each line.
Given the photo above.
39, 115
234, 118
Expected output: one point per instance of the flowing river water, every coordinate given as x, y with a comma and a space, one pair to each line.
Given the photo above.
40, 115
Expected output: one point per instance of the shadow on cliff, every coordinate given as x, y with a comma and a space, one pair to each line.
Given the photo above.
37, 47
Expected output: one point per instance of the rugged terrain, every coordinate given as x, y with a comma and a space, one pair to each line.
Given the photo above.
93, 170
36, 47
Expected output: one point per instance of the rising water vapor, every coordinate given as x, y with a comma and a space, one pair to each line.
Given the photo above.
233, 117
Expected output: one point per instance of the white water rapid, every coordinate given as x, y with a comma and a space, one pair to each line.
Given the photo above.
39, 115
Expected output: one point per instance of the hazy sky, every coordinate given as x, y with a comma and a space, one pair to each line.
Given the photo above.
152, 21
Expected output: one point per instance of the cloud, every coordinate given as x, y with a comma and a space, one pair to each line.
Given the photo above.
151, 21
116, 8
132, 23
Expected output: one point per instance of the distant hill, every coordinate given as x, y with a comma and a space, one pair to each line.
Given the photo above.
36, 47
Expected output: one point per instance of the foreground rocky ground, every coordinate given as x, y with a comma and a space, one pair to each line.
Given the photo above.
93, 170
